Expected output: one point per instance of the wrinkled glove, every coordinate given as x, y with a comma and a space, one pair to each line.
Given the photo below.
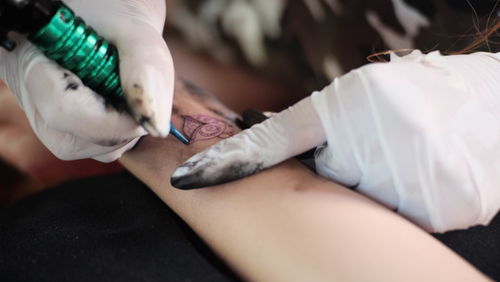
72, 120
420, 135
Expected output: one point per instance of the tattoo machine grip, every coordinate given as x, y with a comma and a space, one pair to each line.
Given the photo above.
66, 39
75, 46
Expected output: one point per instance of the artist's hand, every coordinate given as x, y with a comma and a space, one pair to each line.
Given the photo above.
20, 148
73, 121
419, 135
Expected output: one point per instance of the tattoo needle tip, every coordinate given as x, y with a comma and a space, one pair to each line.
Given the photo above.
177, 134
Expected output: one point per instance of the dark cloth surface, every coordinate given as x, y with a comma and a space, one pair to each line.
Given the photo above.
479, 245
109, 228
113, 228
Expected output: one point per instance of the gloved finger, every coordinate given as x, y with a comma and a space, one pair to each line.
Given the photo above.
285, 135
69, 147
24, 152
116, 154
147, 77
146, 66
58, 100
344, 110
331, 166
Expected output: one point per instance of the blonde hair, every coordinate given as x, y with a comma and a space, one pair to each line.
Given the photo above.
481, 38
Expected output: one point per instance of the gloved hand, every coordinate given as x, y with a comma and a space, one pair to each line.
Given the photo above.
73, 121
420, 135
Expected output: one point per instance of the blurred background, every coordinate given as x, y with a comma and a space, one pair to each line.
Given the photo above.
264, 55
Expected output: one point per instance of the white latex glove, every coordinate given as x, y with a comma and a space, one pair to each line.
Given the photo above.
420, 135
74, 122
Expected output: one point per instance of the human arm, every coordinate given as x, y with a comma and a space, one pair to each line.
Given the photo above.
417, 135
287, 224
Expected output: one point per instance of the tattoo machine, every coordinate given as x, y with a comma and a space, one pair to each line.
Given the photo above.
65, 38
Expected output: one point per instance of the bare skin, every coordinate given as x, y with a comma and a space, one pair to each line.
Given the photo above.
287, 224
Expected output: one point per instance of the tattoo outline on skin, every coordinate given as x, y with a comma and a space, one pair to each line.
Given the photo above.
202, 127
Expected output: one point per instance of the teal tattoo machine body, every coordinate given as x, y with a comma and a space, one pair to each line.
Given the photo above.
65, 38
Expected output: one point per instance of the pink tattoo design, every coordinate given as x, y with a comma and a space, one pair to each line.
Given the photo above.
201, 127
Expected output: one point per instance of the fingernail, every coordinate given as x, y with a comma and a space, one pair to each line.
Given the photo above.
143, 106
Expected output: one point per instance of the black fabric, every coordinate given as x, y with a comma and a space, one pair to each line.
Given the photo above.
109, 228
112, 228
479, 245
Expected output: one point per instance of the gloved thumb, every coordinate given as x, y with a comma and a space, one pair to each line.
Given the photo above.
146, 68
285, 135
147, 77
